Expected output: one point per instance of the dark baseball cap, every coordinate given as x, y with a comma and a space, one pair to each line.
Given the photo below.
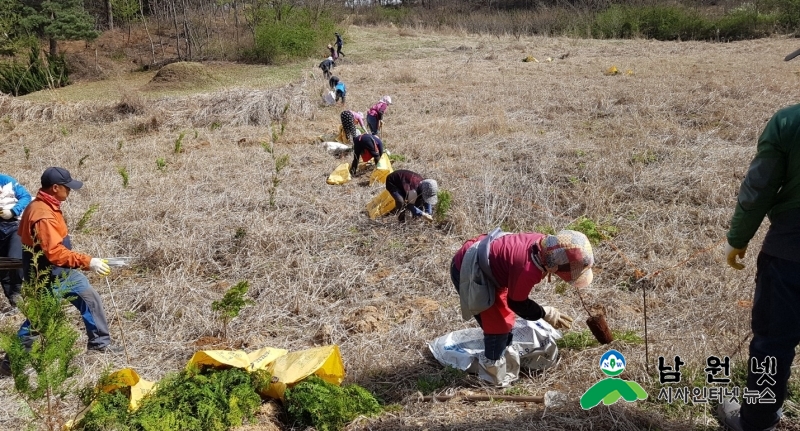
56, 175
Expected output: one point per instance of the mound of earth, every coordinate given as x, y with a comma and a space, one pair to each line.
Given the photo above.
180, 76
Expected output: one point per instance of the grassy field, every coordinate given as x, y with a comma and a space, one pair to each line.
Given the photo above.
654, 154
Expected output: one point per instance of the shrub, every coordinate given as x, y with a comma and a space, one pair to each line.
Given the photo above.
787, 13
193, 400
327, 407
290, 33
657, 22
744, 22
19, 79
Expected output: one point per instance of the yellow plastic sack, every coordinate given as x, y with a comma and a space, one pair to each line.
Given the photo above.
382, 170
340, 175
341, 137
255, 360
325, 362
126, 377
380, 205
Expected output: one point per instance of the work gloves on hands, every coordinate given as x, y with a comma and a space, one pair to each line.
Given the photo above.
731, 254
556, 318
99, 266
427, 216
6, 214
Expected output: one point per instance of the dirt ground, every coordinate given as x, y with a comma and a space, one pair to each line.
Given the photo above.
656, 151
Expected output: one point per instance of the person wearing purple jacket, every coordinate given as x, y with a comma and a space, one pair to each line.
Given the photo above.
413, 193
13, 200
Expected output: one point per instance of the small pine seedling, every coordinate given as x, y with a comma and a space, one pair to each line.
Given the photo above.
81, 226
444, 204
179, 143
231, 304
123, 172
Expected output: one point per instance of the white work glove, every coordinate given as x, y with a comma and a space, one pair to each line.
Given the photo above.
427, 216
6, 214
556, 318
731, 254
99, 266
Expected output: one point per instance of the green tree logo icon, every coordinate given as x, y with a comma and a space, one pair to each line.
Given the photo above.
611, 389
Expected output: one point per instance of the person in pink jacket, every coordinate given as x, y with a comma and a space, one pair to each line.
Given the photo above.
375, 114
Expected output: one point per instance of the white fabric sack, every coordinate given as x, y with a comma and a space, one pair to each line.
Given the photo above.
7, 197
534, 345
335, 146
329, 98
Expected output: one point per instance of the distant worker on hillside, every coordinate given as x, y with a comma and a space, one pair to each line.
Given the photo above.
411, 192
332, 81
332, 52
771, 188
43, 229
326, 67
13, 200
341, 91
516, 263
366, 147
339, 43
352, 125
375, 114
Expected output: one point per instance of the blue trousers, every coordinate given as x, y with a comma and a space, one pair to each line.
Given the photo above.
72, 283
494, 345
776, 334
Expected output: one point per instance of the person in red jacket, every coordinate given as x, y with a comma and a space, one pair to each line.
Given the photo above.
518, 262
44, 229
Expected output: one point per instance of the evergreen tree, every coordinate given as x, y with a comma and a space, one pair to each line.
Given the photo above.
50, 358
58, 20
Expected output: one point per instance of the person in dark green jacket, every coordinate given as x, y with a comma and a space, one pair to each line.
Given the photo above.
771, 188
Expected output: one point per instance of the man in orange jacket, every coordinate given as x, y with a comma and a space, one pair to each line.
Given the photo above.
44, 229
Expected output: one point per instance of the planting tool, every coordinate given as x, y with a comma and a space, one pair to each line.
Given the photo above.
792, 55
475, 397
116, 312
10, 263
116, 262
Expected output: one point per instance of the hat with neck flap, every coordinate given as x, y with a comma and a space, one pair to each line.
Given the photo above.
568, 254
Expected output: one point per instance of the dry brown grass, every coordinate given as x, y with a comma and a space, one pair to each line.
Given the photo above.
659, 154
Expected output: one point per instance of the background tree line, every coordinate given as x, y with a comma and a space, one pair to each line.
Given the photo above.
270, 31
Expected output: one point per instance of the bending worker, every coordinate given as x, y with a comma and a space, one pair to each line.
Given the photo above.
518, 262
375, 114
366, 147
326, 66
412, 192
352, 125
